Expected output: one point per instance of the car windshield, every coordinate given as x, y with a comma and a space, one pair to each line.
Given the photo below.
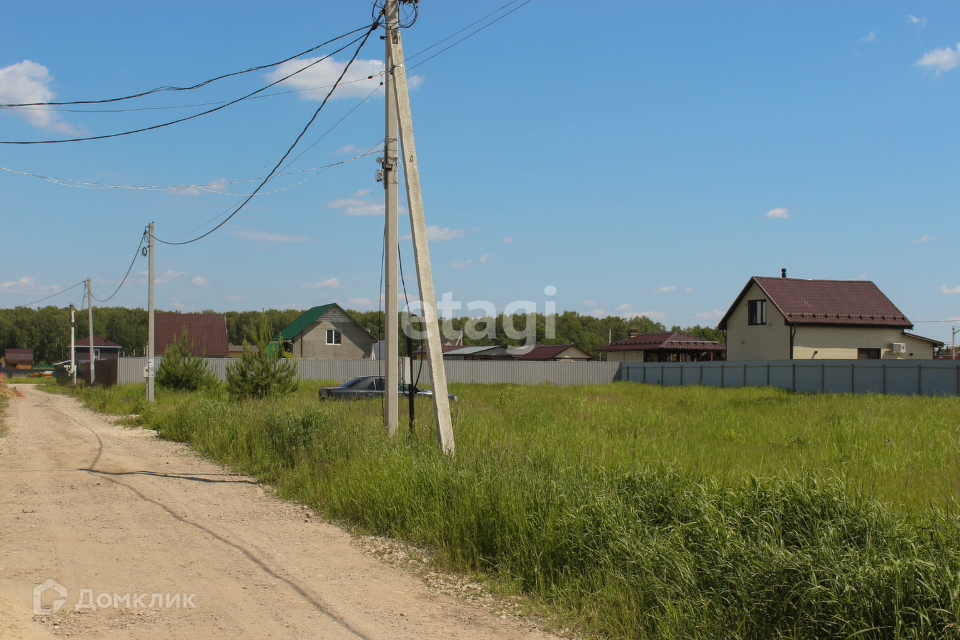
352, 381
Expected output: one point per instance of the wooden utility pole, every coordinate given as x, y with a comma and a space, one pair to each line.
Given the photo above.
90, 326
150, 324
396, 74
73, 346
391, 411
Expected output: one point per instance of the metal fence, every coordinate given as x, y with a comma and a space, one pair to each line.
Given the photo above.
480, 371
904, 377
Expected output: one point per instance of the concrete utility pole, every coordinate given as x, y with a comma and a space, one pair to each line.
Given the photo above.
150, 325
953, 343
90, 326
421, 252
391, 413
73, 346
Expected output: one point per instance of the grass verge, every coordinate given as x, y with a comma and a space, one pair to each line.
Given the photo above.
635, 511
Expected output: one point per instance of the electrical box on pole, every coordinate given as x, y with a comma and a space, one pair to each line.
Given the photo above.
73, 346
396, 74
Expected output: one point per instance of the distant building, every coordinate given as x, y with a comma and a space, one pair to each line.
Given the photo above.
789, 318
328, 332
206, 331
18, 358
667, 346
103, 349
236, 350
545, 352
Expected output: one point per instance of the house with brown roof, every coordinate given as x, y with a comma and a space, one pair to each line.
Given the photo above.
667, 346
103, 349
545, 352
207, 332
790, 318
17, 358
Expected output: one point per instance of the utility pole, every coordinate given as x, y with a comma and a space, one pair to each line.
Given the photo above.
953, 343
391, 411
396, 74
90, 326
150, 325
73, 346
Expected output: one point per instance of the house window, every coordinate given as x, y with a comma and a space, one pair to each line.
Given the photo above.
96, 354
757, 312
868, 354
333, 336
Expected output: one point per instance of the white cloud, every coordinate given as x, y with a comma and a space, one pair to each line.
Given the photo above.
361, 79
28, 286
923, 239
778, 213
870, 37
484, 258
942, 60
688, 289
598, 313
165, 277
436, 234
461, 264
915, 20
716, 314
348, 149
666, 289
355, 205
235, 298
183, 307
199, 281
945, 289
508, 240
361, 301
330, 283
862, 276
589, 303
266, 236
625, 307
360, 193
28, 82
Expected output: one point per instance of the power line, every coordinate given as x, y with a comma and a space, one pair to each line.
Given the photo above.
196, 115
196, 86
316, 113
467, 36
453, 35
30, 304
129, 269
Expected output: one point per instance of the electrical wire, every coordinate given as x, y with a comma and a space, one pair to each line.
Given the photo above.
453, 35
409, 69
196, 115
290, 149
196, 86
30, 304
129, 269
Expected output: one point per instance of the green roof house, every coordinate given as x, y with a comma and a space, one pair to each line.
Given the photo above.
327, 332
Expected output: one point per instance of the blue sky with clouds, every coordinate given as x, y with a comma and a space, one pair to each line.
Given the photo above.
640, 157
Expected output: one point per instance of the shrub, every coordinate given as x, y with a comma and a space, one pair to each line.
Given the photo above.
261, 372
181, 370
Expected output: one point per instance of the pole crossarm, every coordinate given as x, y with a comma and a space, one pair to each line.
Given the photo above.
421, 251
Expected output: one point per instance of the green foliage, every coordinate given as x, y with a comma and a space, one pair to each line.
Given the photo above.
262, 372
180, 370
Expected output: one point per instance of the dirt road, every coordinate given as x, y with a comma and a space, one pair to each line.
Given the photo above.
116, 511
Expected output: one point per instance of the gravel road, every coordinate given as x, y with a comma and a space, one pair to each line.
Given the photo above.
95, 506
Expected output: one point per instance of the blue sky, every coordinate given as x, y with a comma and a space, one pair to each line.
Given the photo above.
640, 157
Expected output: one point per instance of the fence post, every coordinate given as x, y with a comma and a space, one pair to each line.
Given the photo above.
919, 379
851, 378
701, 375
768, 374
744, 375
661, 375
721, 376
628, 373
885, 378
793, 377
644, 369
823, 377
681, 374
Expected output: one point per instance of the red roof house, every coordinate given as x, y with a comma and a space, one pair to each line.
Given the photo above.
18, 358
555, 352
667, 346
790, 318
207, 332
103, 349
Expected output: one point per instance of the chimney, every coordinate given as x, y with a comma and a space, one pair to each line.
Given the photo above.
633, 333
783, 273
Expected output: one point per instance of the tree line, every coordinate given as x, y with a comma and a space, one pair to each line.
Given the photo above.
47, 330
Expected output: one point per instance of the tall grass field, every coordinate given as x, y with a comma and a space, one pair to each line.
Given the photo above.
634, 511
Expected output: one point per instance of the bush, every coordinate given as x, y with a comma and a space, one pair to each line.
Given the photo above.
261, 372
181, 370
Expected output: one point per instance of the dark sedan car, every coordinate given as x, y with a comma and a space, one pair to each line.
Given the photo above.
370, 387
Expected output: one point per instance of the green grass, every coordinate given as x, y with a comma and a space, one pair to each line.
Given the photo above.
29, 380
630, 510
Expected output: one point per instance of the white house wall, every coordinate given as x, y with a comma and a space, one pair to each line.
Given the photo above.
770, 341
841, 343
